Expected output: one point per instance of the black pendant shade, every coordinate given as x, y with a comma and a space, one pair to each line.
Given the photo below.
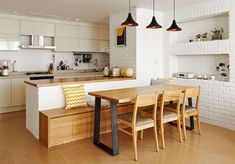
174, 27
129, 21
154, 24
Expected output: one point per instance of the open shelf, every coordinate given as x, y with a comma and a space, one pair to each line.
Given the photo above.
215, 47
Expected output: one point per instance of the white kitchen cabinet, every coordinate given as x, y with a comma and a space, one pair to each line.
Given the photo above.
87, 32
37, 28
18, 91
9, 26
103, 33
66, 44
90, 45
63, 30
93, 32
5, 92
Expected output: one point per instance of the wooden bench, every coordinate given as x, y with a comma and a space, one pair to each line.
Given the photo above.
61, 126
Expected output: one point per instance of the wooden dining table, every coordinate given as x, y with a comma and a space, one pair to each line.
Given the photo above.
120, 96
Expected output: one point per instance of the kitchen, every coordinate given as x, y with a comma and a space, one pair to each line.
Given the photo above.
40, 55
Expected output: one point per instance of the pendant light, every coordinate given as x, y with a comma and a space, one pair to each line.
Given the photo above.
154, 24
174, 27
129, 21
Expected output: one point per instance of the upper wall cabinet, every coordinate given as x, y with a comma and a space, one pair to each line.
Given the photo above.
86, 32
66, 44
93, 32
9, 26
62, 30
37, 28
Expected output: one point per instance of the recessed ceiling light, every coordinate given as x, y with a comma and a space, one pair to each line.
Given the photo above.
77, 19
15, 12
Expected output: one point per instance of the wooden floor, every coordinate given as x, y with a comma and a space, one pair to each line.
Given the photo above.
18, 146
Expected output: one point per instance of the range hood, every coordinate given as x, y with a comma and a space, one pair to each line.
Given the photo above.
37, 42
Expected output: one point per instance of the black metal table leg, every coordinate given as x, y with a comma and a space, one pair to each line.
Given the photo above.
113, 113
96, 138
191, 118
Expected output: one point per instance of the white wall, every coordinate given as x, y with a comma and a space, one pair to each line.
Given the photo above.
143, 51
149, 45
195, 12
205, 65
122, 56
39, 60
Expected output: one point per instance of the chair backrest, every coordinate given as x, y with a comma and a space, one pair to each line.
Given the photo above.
145, 101
192, 93
168, 96
171, 95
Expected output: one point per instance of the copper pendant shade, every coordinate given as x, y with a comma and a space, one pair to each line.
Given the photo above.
129, 21
153, 24
174, 27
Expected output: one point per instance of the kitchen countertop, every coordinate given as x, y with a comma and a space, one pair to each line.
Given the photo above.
65, 73
75, 80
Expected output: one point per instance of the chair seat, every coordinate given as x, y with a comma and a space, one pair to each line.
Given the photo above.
166, 113
140, 120
188, 108
104, 104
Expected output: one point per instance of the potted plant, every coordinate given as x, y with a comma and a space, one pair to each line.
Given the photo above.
204, 37
217, 33
198, 37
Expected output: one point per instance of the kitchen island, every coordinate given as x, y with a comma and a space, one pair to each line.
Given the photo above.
48, 94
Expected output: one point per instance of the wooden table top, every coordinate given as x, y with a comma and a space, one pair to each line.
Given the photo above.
129, 94
75, 80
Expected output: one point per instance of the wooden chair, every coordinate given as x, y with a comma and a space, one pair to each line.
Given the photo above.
165, 116
138, 122
188, 111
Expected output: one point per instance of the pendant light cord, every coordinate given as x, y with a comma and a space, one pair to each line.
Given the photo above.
174, 10
129, 6
154, 7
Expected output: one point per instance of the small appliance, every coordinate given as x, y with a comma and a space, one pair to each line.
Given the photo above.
5, 67
185, 75
115, 72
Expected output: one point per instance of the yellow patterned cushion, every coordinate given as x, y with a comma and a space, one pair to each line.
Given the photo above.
74, 96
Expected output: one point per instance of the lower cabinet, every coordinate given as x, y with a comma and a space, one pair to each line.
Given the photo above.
18, 92
5, 92
12, 92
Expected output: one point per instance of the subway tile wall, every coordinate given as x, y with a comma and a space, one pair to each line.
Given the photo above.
39, 60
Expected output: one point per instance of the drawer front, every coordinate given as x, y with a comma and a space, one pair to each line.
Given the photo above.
60, 130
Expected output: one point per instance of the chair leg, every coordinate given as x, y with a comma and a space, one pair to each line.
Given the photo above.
134, 138
162, 136
179, 129
142, 135
156, 137
184, 127
199, 125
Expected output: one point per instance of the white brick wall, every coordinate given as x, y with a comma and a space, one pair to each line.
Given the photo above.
201, 48
122, 56
217, 101
144, 48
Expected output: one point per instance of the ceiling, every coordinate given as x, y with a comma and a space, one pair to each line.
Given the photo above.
82, 10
